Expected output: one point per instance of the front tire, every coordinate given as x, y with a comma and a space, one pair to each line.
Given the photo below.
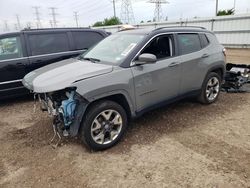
210, 88
104, 125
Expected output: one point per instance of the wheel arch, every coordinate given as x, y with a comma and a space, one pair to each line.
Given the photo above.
119, 97
219, 69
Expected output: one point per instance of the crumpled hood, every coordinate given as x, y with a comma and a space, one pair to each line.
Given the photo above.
62, 74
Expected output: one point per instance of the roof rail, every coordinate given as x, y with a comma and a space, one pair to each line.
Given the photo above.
126, 27
58, 28
178, 26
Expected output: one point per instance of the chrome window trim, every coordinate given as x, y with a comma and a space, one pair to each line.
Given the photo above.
9, 82
57, 53
167, 33
34, 56
170, 47
19, 58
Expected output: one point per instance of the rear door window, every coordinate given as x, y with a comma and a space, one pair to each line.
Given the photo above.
85, 39
189, 43
48, 43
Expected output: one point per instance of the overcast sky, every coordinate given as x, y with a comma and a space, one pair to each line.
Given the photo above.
91, 11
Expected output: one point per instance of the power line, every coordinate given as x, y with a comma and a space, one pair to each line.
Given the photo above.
53, 14
76, 18
127, 14
37, 14
158, 9
84, 5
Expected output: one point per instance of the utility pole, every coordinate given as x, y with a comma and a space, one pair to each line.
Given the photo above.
51, 23
113, 1
16, 27
6, 26
37, 15
18, 22
158, 9
216, 8
28, 25
53, 14
234, 5
76, 18
127, 14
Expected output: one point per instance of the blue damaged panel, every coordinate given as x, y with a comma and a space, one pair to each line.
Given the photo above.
68, 108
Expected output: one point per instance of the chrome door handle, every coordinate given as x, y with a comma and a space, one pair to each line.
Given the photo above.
173, 64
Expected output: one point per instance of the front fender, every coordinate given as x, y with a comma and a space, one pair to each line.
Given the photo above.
112, 93
79, 113
120, 81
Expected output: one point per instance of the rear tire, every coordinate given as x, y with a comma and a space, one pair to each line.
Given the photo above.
104, 125
210, 88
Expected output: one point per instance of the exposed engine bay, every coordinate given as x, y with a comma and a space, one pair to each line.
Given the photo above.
67, 109
237, 78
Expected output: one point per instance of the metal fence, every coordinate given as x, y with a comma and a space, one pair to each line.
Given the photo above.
232, 31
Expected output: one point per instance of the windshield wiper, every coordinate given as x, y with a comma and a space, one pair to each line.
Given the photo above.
93, 60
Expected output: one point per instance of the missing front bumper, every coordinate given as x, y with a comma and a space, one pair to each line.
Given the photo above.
67, 112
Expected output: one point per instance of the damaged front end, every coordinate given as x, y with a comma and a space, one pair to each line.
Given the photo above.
67, 108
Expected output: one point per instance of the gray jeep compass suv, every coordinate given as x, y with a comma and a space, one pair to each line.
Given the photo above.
125, 75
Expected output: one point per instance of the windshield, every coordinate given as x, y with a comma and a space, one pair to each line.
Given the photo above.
113, 49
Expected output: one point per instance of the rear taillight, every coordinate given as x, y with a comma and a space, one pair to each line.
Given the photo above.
224, 51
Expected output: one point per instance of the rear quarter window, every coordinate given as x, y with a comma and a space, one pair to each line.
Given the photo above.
85, 39
189, 43
204, 40
48, 43
10, 48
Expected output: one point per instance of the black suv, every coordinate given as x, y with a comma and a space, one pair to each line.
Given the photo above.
27, 50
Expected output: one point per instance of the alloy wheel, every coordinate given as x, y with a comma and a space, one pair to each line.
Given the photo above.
213, 88
106, 126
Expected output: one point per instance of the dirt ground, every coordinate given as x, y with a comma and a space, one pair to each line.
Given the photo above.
183, 145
